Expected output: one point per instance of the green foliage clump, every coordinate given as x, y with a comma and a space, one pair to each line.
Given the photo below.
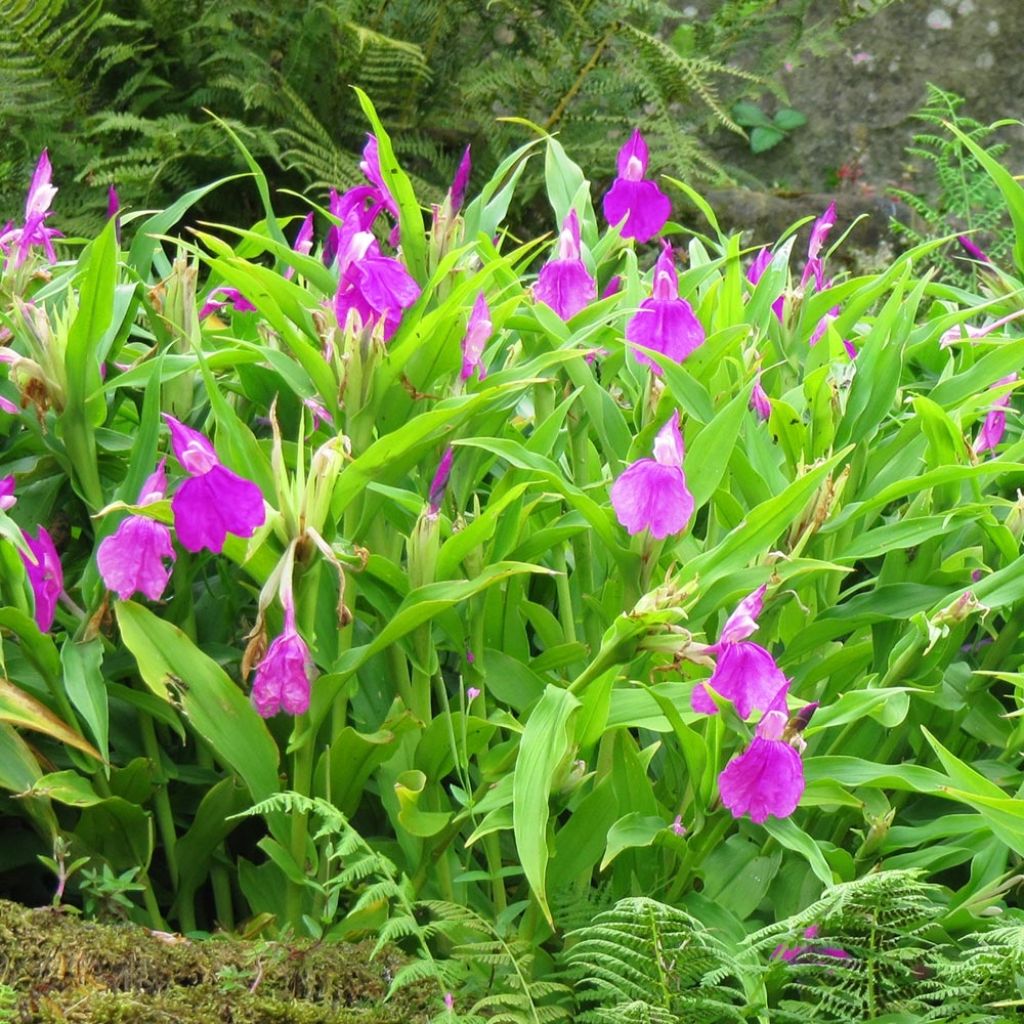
960, 197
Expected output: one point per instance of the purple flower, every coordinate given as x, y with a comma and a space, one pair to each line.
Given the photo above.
478, 333
759, 400
744, 673
665, 322
349, 208
440, 482
376, 288
564, 283
633, 198
45, 576
232, 297
284, 674
747, 675
994, 427
41, 193
132, 558
7, 498
113, 203
677, 825
471, 694
370, 166
756, 271
213, 502
819, 232
651, 494
743, 621
972, 250
303, 242
613, 287
802, 952
457, 192
768, 778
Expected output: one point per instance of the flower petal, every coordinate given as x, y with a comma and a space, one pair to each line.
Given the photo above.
768, 779
649, 496
208, 507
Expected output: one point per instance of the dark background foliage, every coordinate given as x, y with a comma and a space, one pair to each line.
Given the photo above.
120, 90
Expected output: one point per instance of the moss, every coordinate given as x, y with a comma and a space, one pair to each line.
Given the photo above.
79, 972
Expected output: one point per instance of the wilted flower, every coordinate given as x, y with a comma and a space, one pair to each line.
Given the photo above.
378, 288
801, 952
457, 193
34, 231
994, 427
7, 498
132, 558
759, 400
285, 672
768, 778
665, 322
440, 482
214, 501
478, 333
633, 197
45, 576
564, 283
745, 673
652, 494
232, 297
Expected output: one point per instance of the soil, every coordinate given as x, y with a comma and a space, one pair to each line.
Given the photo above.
56, 967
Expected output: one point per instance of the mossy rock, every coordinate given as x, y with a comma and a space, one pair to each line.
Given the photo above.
68, 970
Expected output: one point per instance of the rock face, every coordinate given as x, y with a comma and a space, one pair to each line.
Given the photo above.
859, 100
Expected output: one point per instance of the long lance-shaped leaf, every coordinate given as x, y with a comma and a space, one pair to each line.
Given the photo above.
546, 744
176, 670
20, 708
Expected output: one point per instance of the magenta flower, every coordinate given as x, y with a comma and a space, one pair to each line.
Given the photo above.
472, 693
665, 322
7, 498
564, 283
747, 675
972, 250
303, 244
370, 166
768, 778
756, 271
759, 400
34, 231
652, 494
440, 482
457, 193
284, 674
376, 287
349, 208
633, 198
232, 297
478, 333
132, 558
994, 427
819, 232
213, 502
803, 952
744, 673
45, 576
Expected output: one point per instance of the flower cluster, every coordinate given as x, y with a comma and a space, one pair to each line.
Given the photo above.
767, 778
33, 232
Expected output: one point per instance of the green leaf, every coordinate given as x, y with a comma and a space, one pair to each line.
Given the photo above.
214, 706
544, 750
787, 119
630, 831
20, 708
750, 115
86, 687
763, 139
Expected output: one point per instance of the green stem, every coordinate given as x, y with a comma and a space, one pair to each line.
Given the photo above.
302, 776
161, 798
583, 543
